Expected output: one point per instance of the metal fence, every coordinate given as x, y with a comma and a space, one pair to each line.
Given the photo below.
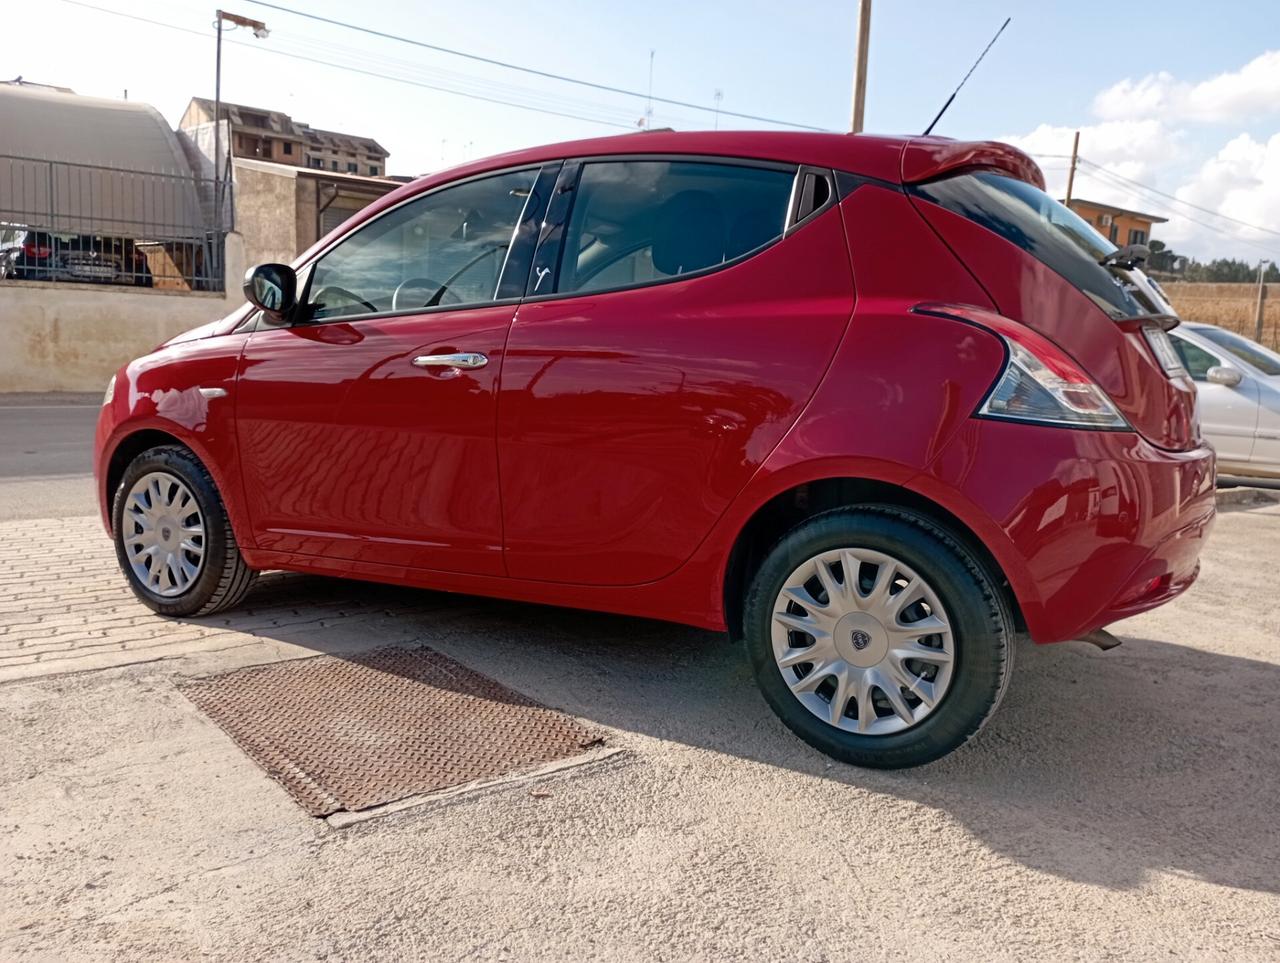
84, 223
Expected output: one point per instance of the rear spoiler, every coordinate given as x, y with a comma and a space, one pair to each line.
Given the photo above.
1165, 322
928, 158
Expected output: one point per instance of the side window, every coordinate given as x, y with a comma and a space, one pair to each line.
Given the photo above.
635, 222
1196, 360
446, 248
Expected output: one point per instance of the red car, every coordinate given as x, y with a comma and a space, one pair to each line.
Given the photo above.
872, 405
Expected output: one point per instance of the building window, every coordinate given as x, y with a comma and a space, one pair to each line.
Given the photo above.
373, 170
1137, 237
352, 168
333, 164
288, 148
1115, 231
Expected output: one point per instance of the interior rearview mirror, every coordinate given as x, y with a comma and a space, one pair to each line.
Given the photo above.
1222, 375
273, 288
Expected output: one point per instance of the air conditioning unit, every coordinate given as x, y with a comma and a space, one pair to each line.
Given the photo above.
1105, 220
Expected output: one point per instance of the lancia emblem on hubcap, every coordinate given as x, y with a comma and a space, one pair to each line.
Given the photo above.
860, 639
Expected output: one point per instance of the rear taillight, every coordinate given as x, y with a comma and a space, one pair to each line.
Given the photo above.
1041, 384
1162, 347
32, 249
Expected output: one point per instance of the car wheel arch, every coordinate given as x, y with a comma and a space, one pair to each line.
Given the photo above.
129, 446
774, 517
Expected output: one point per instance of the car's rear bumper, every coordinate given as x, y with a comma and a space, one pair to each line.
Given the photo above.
1088, 526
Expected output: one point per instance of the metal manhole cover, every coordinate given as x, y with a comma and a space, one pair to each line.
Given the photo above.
359, 731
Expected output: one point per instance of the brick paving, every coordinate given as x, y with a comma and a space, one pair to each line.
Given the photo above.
73, 611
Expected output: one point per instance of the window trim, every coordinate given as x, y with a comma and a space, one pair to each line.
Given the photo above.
308, 265
554, 227
794, 220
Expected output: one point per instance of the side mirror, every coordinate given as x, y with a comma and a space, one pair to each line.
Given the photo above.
273, 288
1222, 375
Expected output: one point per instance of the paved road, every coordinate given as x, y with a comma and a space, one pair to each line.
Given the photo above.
42, 438
46, 455
1121, 805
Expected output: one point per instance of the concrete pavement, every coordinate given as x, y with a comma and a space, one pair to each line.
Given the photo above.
1121, 805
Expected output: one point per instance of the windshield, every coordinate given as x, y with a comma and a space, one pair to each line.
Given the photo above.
1051, 233
1268, 362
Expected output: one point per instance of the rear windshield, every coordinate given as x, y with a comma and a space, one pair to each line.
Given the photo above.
1051, 233
1255, 354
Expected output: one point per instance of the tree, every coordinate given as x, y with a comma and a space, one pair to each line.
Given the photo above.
1219, 270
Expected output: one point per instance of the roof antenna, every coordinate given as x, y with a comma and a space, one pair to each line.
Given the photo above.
929, 129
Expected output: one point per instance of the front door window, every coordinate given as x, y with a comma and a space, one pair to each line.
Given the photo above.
446, 248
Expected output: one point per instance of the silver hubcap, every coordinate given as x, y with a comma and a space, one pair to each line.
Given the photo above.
163, 533
862, 641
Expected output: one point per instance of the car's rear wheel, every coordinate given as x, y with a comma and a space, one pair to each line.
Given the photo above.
878, 637
173, 539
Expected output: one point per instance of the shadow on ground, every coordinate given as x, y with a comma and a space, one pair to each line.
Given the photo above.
1099, 767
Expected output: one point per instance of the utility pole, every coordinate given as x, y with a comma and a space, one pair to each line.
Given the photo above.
1071, 174
217, 121
860, 66
719, 97
1262, 300
261, 32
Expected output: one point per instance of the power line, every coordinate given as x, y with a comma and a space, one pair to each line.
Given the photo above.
528, 70
1215, 228
357, 70
1178, 200
466, 83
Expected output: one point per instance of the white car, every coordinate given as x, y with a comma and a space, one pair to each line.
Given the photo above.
1239, 385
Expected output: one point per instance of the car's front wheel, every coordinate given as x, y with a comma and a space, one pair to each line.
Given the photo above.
173, 538
877, 637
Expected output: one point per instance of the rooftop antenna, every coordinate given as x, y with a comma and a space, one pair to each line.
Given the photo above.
648, 107
929, 130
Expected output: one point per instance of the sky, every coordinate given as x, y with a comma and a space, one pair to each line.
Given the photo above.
1182, 98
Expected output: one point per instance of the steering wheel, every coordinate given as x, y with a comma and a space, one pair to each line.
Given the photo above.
439, 294
345, 294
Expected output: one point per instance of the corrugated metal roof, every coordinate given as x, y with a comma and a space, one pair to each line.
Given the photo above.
93, 166
123, 134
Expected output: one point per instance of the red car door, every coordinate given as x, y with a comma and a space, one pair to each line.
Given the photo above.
366, 427
671, 337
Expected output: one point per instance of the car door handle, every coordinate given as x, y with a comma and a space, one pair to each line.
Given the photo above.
463, 359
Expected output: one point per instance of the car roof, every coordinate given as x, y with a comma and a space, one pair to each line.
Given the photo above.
894, 159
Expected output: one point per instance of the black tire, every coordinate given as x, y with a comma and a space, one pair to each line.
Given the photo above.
979, 614
224, 578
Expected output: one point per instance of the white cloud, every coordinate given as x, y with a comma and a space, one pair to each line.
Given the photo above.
1137, 149
1247, 93
1242, 181
1150, 132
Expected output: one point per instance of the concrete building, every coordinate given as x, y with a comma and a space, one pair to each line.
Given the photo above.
271, 135
1122, 226
281, 210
